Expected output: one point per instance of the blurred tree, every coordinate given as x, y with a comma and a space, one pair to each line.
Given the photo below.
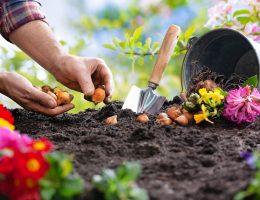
136, 50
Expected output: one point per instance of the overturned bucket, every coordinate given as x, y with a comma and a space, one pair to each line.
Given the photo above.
224, 51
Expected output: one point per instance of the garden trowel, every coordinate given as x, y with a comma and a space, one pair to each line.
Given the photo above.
145, 100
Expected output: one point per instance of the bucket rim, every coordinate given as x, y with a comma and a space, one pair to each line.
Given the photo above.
184, 64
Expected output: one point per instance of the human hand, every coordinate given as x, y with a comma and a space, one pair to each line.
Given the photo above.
84, 74
22, 92
78, 73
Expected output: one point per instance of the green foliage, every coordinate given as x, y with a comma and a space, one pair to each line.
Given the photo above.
245, 16
136, 47
253, 190
251, 81
120, 184
60, 183
175, 3
192, 103
116, 20
112, 17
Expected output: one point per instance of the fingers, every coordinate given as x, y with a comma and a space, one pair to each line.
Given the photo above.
51, 112
107, 77
86, 84
43, 98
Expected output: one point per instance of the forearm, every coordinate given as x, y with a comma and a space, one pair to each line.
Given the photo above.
2, 76
38, 41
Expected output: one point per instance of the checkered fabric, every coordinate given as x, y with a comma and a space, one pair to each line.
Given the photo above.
15, 13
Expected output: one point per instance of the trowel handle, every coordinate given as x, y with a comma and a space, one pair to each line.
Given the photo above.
165, 53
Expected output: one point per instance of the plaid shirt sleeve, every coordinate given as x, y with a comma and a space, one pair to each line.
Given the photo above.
15, 13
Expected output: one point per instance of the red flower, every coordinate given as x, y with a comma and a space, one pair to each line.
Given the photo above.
5, 186
30, 165
42, 145
6, 114
6, 165
33, 195
21, 189
26, 184
26, 189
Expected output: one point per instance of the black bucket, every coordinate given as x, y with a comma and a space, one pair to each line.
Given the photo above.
224, 51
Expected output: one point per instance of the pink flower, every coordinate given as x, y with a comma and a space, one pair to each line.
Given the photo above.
252, 28
242, 105
13, 140
253, 31
218, 13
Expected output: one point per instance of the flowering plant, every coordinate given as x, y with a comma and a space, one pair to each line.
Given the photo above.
238, 105
253, 190
28, 168
120, 184
243, 16
6, 118
210, 104
22, 164
242, 105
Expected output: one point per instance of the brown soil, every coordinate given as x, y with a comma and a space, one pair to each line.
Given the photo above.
180, 163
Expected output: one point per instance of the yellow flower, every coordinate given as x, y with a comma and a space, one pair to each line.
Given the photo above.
212, 98
203, 91
203, 116
203, 95
199, 118
217, 96
4, 123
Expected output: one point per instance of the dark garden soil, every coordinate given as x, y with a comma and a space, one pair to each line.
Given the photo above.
179, 163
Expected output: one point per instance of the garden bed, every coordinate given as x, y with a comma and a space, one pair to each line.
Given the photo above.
194, 162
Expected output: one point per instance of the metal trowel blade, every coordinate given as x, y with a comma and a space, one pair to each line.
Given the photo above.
132, 99
157, 105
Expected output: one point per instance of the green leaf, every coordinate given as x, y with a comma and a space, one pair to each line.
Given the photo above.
132, 43
59, 179
99, 182
109, 174
240, 196
78, 47
137, 33
243, 20
127, 36
109, 46
148, 42
71, 186
241, 12
122, 44
121, 184
138, 194
189, 33
116, 41
252, 82
222, 92
156, 45
139, 44
47, 193
63, 43
129, 171
67, 167
141, 61
46, 183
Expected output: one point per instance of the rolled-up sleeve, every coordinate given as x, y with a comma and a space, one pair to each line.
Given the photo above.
15, 13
